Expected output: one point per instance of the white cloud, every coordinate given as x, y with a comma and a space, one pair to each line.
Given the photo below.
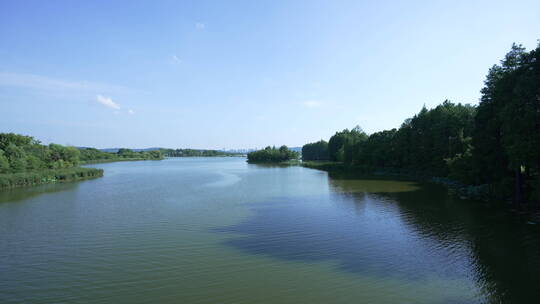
200, 26
108, 102
33, 81
312, 103
176, 60
131, 112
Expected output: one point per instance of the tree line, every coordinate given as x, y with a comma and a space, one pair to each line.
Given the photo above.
25, 161
493, 146
272, 154
195, 153
90, 155
19, 153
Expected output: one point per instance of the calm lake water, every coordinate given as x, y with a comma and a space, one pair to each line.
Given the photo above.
217, 230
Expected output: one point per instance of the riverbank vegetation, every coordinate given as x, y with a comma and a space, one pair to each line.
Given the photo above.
272, 155
196, 153
24, 161
316, 151
490, 150
37, 177
92, 155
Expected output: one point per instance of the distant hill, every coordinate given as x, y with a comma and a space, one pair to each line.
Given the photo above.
114, 150
235, 151
244, 151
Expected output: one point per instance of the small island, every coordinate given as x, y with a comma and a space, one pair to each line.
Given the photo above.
269, 154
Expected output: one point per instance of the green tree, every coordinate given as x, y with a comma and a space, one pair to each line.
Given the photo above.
315, 151
520, 116
126, 153
18, 140
16, 157
271, 154
4, 162
345, 144
62, 157
506, 136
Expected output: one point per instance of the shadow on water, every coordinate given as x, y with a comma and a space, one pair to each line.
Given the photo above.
403, 230
271, 165
18, 194
504, 248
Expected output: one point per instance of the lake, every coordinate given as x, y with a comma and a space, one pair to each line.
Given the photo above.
219, 230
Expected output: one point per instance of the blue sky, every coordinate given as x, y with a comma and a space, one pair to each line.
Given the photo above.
242, 74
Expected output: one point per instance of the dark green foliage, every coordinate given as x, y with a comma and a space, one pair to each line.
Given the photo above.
33, 178
4, 163
494, 148
16, 157
345, 144
59, 157
315, 151
435, 142
378, 151
91, 155
20, 153
432, 136
460, 168
507, 134
271, 154
325, 165
155, 154
195, 153
24, 161
18, 140
421, 145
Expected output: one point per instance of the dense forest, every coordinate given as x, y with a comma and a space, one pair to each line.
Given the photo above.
195, 153
272, 154
315, 151
493, 148
25, 161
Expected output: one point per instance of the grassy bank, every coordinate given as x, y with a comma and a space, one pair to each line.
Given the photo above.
293, 162
33, 178
325, 165
463, 191
112, 160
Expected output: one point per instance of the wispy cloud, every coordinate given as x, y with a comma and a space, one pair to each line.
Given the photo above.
131, 112
108, 102
176, 60
200, 26
312, 104
33, 81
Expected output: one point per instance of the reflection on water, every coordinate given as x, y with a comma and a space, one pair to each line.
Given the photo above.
372, 186
217, 230
404, 230
225, 179
17, 194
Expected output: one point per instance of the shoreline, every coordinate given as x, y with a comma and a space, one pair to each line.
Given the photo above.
102, 161
50, 176
280, 163
459, 190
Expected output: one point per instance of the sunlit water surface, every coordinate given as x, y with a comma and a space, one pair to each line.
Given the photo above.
217, 230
